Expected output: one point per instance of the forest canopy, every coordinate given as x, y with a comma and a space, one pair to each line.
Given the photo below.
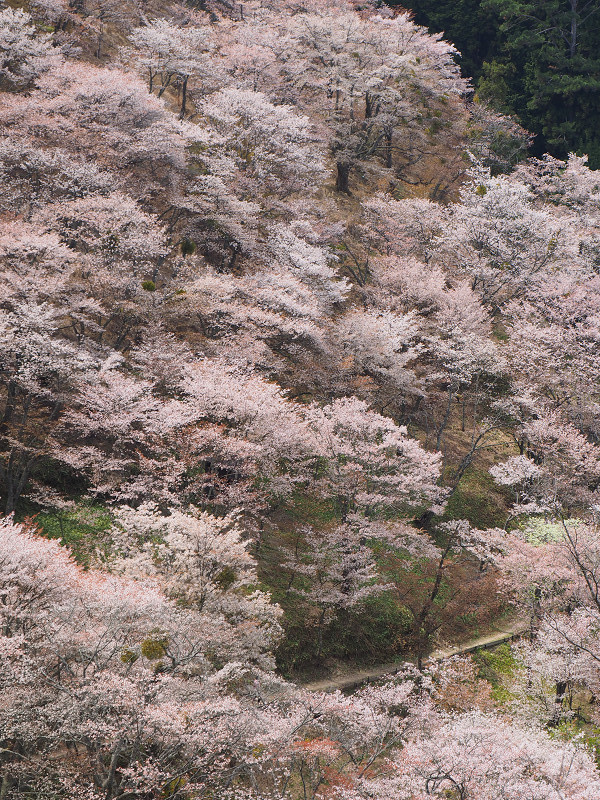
299, 385
535, 59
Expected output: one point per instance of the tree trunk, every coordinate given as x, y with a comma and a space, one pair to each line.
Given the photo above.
9, 408
442, 428
183, 97
561, 689
343, 173
100, 40
573, 37
320, 626
16, 475
4, 787
388, 149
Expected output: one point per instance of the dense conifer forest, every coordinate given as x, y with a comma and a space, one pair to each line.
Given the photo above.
299, 383
536, 59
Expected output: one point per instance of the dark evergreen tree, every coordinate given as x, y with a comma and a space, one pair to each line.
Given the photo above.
548, 72
466, 23
536, 59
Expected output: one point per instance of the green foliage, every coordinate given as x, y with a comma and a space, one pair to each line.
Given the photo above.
83, 529
591, 739
154, 648
128, 656
538, 531
497, 666
497, 663
306, 509
149, 286
495, 85
188, 247
225, 578
536, 59
477, 499
376, 631
548, 72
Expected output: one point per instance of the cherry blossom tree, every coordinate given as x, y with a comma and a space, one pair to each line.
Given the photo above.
105, 684
24, 54
167, 54
340, 569
109, 113
479, 756
383, 345
39, 373
560, 470
274, 147
203, 562
552, 570
371, 463
499, 238
35, 176
231, 438
361, 75
279, 310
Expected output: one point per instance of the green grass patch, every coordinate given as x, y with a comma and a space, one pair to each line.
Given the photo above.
477, 499
83, 529
374, 632
306, 509
497, 666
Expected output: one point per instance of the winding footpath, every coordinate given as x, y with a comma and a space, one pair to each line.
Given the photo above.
353, 680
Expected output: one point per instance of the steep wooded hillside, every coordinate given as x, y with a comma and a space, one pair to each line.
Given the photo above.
300, 367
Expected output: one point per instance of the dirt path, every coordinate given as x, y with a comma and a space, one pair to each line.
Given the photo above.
352, 680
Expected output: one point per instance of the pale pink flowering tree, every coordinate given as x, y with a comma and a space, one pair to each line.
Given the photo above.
480, 756
231, 438
256, 411
499, 238
24, 54
553, 346
371, 463
356, 83
36, 266
107, 688
455, 365
404, 228
169, 55
39, 373
275, 149
563, 469
552, 568
34, 176
340, 570
362, 76
112, 227
203, 562
570, 184
382, 345
110, 113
